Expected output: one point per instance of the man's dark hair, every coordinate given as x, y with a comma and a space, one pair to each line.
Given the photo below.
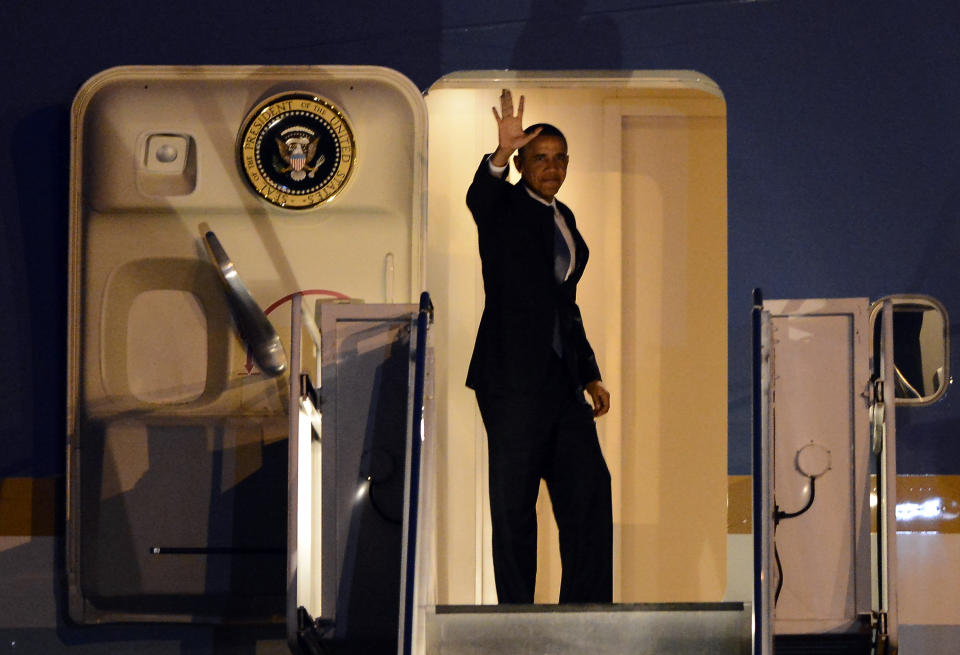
548, 130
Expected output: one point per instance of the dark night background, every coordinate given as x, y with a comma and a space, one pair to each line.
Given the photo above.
843, 145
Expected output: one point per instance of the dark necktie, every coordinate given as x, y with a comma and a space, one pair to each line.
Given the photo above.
561, 262
561, 254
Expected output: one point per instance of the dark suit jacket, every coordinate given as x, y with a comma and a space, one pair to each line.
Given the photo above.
523, 300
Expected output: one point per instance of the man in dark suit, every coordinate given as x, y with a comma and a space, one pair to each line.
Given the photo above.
531, 365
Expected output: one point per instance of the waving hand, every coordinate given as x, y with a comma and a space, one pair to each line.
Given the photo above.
510, 129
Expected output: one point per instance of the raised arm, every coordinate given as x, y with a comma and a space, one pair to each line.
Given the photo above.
509, 129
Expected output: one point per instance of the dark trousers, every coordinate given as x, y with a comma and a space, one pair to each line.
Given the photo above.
548, 434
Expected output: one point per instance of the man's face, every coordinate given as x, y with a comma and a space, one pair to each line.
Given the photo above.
543, 165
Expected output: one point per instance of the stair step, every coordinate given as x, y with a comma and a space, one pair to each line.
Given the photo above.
620, 629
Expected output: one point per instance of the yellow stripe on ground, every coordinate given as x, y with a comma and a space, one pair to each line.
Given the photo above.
928, 503
28, 507
739, 504
925, 503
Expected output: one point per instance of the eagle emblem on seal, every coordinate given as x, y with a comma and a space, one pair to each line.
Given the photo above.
297, 153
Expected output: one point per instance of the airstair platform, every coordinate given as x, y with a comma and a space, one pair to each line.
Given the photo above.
619, 629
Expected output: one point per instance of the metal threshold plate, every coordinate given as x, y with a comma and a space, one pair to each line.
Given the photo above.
649, 628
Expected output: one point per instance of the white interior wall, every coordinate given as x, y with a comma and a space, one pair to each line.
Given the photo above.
673, 352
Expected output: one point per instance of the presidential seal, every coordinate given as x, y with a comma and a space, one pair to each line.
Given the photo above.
296, 150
